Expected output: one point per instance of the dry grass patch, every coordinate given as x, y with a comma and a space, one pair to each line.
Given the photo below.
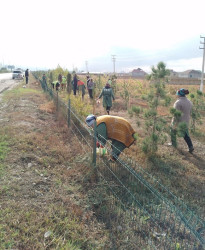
48, 107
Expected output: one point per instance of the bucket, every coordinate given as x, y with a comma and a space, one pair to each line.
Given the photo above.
101, 151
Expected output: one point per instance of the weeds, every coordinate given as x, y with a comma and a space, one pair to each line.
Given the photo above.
198, 107
29, 227
19, 92
3, 147
125, 94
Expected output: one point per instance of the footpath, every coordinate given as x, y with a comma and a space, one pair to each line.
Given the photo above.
44, 201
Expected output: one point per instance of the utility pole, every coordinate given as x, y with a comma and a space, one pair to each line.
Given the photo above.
202, 73
86, 65
113, 59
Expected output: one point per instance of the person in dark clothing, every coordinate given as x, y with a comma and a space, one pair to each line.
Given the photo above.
75, 84
108, 96
44, 80
26, 76
88, 79
60, 78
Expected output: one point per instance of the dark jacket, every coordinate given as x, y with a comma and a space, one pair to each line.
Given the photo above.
108, 95
75, 80
26, 73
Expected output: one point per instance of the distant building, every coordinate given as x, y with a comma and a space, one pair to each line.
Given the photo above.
89, 73
173, 73
190, 74
138, 73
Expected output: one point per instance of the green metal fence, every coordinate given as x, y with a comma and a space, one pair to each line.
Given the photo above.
150, 216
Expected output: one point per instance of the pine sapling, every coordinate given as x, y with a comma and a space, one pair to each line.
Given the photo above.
155, 124
197, 109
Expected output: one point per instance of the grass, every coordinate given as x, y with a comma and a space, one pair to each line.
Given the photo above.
28, 228
178, 178
19, 92
2, 170
40, 191
4, 143
4, 150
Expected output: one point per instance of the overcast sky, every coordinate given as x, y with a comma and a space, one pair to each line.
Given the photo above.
42, 34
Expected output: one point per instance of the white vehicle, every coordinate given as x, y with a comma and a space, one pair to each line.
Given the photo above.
17, 74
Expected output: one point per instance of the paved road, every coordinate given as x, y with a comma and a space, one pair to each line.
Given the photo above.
5, 76
6, 82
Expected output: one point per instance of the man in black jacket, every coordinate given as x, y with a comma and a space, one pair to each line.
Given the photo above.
26, 75
75, 84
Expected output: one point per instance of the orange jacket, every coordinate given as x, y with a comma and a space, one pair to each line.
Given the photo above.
80, 83
118, 128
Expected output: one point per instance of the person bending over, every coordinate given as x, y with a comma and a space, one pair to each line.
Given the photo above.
114, 128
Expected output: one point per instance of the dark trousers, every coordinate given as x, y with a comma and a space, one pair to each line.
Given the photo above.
26, 79
74, 89
90, 92
108, 109
186, 138
117, 148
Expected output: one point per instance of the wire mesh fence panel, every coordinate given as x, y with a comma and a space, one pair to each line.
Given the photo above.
156, 217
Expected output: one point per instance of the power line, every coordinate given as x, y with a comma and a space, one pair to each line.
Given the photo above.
202, 73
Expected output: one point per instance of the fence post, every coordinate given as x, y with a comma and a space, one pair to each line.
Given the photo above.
68, 112
94, 145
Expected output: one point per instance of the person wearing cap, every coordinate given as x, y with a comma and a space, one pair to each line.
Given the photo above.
185, 106
114, 128
108, 96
